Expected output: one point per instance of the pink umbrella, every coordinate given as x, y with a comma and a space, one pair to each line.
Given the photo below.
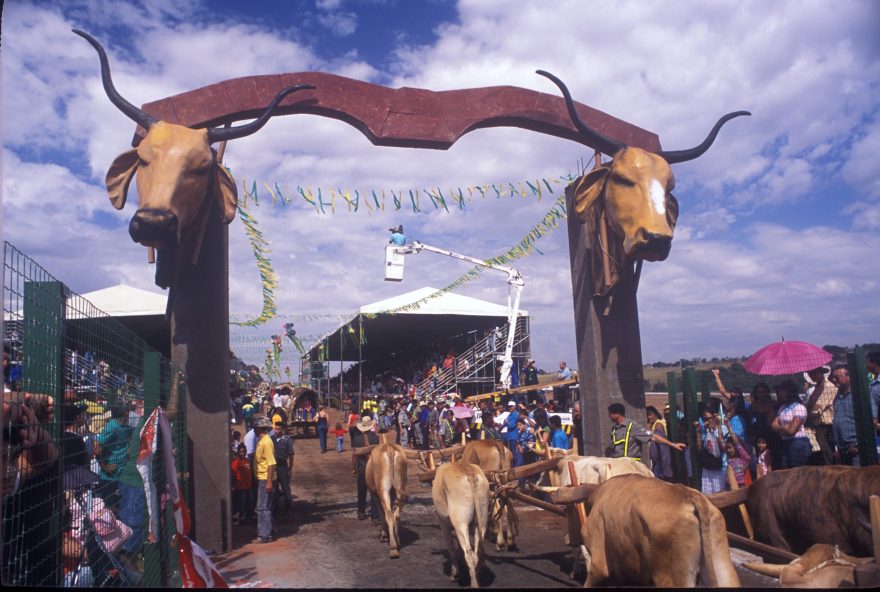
462, 412
787, 357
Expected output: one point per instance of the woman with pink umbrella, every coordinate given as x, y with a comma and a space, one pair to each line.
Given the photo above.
789, 424
789, 357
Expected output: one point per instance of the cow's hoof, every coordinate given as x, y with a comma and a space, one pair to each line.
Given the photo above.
395, 554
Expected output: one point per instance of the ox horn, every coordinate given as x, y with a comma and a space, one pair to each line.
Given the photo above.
219, 134
674, 156
767, 569
140, 117
599, 141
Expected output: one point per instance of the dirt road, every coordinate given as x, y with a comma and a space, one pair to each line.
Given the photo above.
322, 544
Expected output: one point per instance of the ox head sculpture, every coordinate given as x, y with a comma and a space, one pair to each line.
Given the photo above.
178, 177
632, 195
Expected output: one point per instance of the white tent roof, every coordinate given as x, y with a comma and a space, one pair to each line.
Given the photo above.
444, 304
116, 301
127, 301
390, 331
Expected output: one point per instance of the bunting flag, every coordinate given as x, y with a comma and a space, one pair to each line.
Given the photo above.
523, 248
268, 279
323, 200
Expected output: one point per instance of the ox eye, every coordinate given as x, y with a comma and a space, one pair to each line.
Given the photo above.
622, 180
202, 171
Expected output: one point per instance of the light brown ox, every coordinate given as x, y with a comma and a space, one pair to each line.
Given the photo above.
589, 470
178, 176
492, 455
461, 500
633, 194
386, 479
822, 566
646, 532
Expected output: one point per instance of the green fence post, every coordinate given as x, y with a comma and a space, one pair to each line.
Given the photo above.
43, 373
861, 394
678, 467
42, 347
689, 387
153, 569
705, 378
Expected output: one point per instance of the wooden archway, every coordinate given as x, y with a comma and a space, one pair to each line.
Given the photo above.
403, 117
609, 348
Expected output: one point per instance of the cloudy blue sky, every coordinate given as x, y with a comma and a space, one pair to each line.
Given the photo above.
778, 232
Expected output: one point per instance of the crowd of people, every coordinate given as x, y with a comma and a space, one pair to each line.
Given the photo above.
737, 438
93, 462
809, 424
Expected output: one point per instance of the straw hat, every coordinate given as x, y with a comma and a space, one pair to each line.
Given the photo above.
263, 422
365, 424
826, 370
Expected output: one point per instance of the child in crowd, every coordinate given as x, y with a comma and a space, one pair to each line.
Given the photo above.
763, 465
339, 431
737, 457
241, 485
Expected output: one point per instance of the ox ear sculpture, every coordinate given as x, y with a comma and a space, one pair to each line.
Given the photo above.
627, 204
179, 178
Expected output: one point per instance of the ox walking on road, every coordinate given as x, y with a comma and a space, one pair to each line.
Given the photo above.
492, 455
461, 500
386, 480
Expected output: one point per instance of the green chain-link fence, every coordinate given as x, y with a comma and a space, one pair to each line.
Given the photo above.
78, 386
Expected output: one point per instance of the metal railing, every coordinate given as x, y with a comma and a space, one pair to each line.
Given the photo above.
78, 385
478, 364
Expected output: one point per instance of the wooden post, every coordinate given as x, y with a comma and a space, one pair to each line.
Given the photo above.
609, 346
731, 478
199, 305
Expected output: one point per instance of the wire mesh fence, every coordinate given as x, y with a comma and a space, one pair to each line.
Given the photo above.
78, 387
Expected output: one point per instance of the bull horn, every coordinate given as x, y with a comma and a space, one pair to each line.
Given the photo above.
140, 117
218, 134
768, 569
599, 141
545, 488
674, 156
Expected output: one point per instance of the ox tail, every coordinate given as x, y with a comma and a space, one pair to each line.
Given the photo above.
398, 479
481, 512
716, 569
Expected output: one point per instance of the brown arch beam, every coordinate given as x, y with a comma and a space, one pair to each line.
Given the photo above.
405, 117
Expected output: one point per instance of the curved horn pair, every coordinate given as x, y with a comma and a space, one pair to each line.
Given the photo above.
146, 120
610, 146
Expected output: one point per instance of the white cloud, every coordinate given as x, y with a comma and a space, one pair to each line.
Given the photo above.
731, 284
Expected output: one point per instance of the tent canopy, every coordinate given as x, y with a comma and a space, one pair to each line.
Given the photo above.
436, 320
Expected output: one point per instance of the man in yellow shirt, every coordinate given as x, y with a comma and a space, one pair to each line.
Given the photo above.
264, 467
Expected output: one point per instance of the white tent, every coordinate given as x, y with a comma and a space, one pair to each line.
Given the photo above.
388, 331
127, 301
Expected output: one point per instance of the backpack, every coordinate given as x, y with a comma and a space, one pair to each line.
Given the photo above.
283, 447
